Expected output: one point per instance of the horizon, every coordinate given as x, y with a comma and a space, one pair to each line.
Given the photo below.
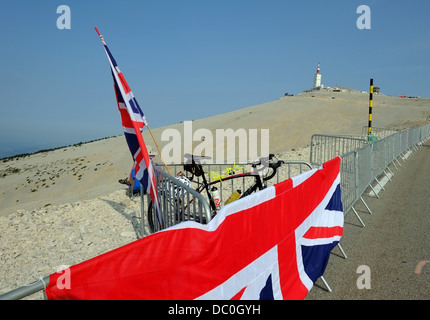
31, 151
192, 60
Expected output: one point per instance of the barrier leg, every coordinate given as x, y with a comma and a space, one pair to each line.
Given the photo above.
326, 284
342, 251
365, 204
358, 217
398, 162
382, 187
389, 177
374, 192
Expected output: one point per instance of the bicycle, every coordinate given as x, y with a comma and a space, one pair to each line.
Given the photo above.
262, 171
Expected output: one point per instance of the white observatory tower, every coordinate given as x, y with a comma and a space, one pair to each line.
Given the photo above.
317, 78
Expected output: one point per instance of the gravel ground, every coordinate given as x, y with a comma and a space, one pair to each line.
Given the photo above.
34, 244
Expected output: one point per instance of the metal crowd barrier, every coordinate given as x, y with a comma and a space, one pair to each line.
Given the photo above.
26, 290
362, 167
378, 132
178, 202
325, 147
181, 202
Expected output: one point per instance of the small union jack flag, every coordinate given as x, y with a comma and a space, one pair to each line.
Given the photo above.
133, 121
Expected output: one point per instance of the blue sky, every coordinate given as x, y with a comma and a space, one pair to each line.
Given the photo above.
191, 59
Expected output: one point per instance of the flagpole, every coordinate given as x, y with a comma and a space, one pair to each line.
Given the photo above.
150, 131
158, 148
369, 127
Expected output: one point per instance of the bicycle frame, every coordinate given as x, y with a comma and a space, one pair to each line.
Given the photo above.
183, 204
205, 185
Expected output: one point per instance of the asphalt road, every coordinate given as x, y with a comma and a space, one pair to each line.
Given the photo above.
389, 258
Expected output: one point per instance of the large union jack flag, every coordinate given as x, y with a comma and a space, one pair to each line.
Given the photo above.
273, 244
133, 122
289, 269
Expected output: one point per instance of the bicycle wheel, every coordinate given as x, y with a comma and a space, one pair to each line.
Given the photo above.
151, 218
172, 217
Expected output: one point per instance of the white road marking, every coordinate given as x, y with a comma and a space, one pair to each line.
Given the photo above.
380, 185
406, 155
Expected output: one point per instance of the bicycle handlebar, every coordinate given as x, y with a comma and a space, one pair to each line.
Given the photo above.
274, 167
196, 169
266, 161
